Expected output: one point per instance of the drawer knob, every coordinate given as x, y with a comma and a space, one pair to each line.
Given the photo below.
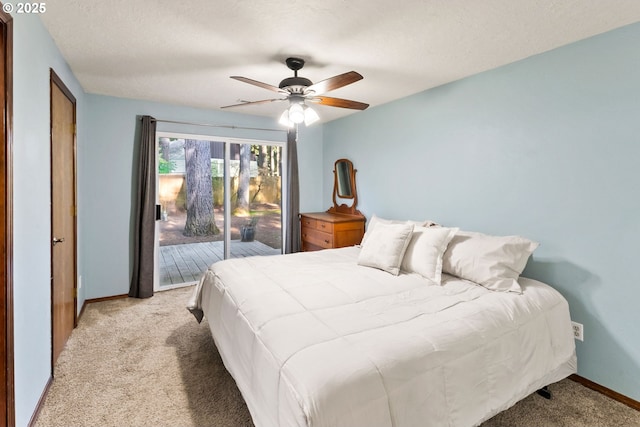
326, 241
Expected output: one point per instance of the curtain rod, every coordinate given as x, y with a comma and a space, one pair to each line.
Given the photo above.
217, 126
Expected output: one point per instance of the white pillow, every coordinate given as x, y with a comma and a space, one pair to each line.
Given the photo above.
385, 247
491, 261
425, 251
377, 220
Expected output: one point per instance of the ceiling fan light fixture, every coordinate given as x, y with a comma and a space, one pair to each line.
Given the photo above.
284, 119
296, 113
310, 116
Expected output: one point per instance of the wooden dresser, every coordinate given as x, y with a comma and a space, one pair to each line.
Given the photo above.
324, 230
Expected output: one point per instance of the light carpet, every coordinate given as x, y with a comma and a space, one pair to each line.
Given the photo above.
134, 362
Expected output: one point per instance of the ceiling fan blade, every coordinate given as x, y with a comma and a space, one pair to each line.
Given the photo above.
259, 84
333, 83
264, 101
339, 102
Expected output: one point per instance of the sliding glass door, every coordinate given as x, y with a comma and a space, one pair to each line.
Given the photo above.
219, 198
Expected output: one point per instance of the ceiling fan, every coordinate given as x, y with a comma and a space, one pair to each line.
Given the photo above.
297, 90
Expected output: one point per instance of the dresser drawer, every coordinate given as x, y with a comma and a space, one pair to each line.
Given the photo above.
308, 222
317, 237
327, 227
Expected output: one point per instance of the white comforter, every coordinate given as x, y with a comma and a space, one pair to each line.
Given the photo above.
312, 339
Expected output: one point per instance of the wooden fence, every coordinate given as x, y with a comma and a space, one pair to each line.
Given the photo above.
262, 189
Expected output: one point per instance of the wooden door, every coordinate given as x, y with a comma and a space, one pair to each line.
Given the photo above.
7, 409
63, 215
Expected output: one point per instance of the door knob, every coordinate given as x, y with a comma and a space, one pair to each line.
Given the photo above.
56, 240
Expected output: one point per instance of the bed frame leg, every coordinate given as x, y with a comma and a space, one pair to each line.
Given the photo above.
545, 392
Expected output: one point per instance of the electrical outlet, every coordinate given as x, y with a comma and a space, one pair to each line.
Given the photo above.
578, 331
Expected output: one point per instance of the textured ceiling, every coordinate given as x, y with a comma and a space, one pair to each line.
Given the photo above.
183, 52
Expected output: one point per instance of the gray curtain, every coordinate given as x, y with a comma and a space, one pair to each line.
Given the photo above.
145, 216
292, 222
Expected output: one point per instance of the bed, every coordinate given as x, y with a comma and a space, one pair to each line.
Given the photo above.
324, 339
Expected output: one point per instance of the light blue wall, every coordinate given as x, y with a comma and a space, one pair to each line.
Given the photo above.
549, 148
310, 169
34, 53
108, 167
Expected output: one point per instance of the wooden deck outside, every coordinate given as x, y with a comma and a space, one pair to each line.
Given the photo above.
186, 263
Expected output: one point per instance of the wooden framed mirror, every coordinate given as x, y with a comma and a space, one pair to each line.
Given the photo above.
344, 187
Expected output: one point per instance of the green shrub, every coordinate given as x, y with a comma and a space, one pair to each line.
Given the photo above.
165, 166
